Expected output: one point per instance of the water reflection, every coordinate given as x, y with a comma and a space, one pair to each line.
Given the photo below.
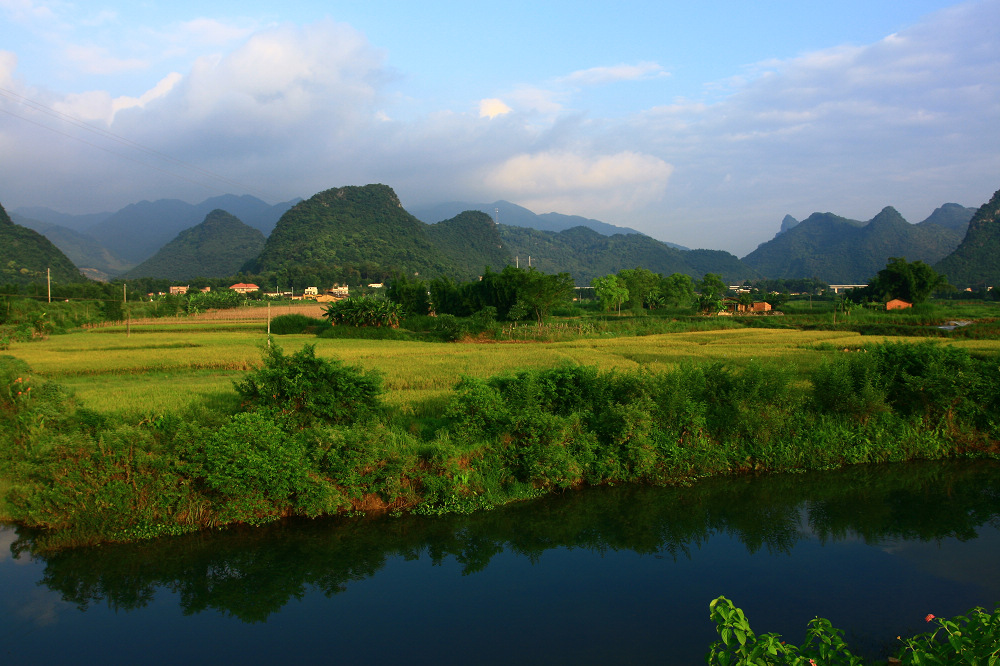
911, 512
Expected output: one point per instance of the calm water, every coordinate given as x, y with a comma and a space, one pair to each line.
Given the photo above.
607, 575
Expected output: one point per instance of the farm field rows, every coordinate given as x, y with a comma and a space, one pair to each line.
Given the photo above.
162, 367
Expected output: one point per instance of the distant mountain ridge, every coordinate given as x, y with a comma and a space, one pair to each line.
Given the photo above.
218, 247
137, 231
838, 250
511, 215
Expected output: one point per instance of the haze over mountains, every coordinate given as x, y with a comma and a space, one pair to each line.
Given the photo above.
367, 229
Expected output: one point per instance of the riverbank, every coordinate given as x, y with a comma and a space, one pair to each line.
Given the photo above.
307, 436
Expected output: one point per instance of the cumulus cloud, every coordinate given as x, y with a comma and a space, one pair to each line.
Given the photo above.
575, 183
491, 108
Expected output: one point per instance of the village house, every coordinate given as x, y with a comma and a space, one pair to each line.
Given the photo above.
244, 288
179, 291
898, 304
733, 306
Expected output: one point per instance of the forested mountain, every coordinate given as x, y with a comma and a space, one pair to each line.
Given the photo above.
512, 215
976, 261
92, 258
218, 247
951, 216
26, 255
137, 231
586, 254
351, 226
470, 241
842, 251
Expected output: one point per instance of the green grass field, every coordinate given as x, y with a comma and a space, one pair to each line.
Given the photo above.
163, 367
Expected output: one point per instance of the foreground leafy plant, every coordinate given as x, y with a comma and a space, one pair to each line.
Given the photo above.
740, 646
965, 639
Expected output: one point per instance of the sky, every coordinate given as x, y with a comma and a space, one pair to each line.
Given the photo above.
701, 124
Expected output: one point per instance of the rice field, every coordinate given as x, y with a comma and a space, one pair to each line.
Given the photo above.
161, 366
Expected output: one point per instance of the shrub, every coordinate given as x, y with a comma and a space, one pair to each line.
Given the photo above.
364, 311
304, 387
290, 324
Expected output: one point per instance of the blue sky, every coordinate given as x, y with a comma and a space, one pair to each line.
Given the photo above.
697, 123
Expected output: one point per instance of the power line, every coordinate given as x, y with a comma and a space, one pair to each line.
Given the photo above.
128, 143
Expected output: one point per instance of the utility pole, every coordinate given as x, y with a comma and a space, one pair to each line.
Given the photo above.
48, 279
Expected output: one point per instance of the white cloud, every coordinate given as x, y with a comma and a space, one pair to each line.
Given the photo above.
161, 89
577, 182
603, 75
491, 108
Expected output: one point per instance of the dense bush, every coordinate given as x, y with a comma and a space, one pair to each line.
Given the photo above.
303, 387
290, 324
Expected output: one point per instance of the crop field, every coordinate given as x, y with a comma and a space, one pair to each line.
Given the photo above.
161, 366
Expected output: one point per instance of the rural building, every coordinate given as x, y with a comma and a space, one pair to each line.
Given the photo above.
339, 292
244, 288
179, 291
311, 291
734, 306
897, 304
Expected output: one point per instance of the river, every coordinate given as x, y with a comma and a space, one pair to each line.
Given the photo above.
602, 575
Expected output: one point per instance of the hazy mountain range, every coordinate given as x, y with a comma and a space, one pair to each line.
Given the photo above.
367, 228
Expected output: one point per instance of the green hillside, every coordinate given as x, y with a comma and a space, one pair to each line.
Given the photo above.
25, 255
470, 241
976, 261
351, 226
218, 247
586, 254
842, 251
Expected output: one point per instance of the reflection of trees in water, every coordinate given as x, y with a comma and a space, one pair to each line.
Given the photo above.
253, 572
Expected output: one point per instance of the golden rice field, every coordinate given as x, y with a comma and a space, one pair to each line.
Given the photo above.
158, 367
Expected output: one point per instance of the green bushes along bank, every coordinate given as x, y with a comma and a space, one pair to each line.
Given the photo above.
308, 437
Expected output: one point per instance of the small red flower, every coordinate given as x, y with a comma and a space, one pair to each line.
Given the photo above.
929, 617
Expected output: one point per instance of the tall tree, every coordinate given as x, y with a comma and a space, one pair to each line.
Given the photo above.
910, 281
711, 290
611, 291
677, 289
641, 284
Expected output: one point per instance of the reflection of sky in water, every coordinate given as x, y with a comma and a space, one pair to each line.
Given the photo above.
564, 603
24, 605
954, 560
